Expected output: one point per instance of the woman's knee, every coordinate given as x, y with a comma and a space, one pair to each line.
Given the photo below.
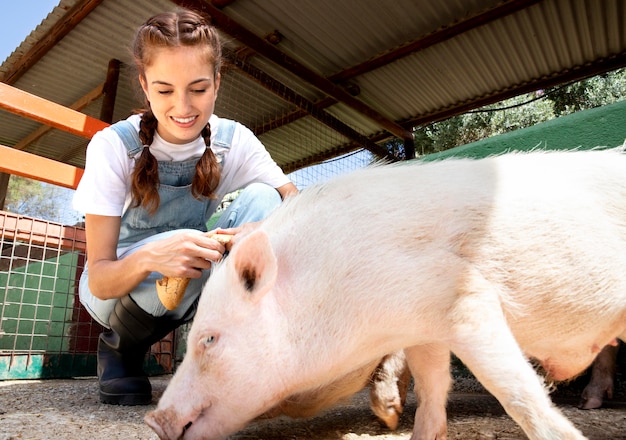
253, 204
261, 192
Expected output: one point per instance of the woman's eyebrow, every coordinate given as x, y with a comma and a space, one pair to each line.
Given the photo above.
165, 83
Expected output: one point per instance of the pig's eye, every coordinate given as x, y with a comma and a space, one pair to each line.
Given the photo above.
209, 340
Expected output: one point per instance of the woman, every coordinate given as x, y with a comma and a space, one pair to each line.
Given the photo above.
151, 182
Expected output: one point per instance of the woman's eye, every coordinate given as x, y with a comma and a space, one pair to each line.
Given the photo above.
199, 91
165, 92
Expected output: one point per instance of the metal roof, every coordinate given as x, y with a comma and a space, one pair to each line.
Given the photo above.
318, 78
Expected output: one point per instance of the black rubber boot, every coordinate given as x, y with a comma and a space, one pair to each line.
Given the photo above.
122, 350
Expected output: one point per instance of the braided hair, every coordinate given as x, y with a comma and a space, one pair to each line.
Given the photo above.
172, 29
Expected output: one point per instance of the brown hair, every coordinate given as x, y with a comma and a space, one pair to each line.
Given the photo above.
172, 29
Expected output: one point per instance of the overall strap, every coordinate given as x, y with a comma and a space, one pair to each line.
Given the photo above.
225, 131
130, 137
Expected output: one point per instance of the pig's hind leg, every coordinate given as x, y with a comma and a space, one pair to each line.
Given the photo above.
602, 378
430, 367
483, 341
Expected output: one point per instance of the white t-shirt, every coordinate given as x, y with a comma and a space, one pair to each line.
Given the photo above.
104, 188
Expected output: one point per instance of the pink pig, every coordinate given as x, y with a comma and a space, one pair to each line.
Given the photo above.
497, 260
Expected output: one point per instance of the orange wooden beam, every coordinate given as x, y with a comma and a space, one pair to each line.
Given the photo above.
33, 107
78, 106
30, 165
41, 232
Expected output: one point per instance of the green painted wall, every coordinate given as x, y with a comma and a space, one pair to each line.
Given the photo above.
599, 127
37, 308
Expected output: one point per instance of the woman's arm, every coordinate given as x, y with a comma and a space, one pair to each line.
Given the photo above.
180, 255
287, 190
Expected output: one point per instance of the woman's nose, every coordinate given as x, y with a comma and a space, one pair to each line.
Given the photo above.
183, 103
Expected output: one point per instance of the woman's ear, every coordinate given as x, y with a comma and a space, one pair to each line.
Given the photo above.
144, 86
217, 81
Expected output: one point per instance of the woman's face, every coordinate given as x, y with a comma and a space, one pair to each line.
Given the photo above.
182, 89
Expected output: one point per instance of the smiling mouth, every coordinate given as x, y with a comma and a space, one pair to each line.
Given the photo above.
184, 120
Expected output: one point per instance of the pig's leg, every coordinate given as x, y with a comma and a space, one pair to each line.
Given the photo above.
430, 367
602, 376
484, 342
388, 388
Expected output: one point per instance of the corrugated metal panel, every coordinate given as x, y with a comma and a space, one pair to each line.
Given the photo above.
543, 40
331, 35
533, 44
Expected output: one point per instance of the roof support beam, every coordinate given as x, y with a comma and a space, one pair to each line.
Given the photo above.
301, 102
110, 90
262, 47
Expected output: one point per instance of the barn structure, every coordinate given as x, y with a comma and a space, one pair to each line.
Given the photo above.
314, 80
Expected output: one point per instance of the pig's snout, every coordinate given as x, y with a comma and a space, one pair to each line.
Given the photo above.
166, 424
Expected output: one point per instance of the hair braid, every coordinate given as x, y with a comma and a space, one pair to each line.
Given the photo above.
145, 178
207, 175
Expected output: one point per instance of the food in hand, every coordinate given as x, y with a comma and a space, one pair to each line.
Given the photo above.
171, 290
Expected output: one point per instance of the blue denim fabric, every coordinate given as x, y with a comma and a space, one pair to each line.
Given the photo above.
254, 203
178, 210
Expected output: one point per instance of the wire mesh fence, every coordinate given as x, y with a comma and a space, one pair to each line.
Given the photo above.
44, 330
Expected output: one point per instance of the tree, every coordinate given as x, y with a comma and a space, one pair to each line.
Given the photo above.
35, 199
520, 112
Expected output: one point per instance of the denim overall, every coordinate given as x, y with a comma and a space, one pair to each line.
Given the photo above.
178, 210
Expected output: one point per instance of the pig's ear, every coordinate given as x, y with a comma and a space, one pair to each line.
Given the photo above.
255, 264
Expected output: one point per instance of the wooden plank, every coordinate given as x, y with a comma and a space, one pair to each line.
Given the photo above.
78, 106
39, 168
33, 107
35, 231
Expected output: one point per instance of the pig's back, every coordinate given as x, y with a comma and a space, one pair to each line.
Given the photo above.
542, 227
513, 195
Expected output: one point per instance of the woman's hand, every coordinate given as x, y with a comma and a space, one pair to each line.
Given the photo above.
239, 231
183, 255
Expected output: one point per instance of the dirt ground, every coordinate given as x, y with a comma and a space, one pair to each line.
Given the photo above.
69, 409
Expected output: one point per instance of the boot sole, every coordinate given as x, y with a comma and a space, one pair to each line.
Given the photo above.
125, 399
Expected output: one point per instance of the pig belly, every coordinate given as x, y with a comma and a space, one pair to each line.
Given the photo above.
311, 402
388, 380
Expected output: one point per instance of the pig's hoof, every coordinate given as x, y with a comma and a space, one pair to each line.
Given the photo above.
389, 415
391, 420
591, 403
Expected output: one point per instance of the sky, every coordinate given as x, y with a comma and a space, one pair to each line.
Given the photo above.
18, 19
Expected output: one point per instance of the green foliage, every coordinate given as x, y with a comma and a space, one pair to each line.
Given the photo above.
589, 93
35, 199
521, 112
